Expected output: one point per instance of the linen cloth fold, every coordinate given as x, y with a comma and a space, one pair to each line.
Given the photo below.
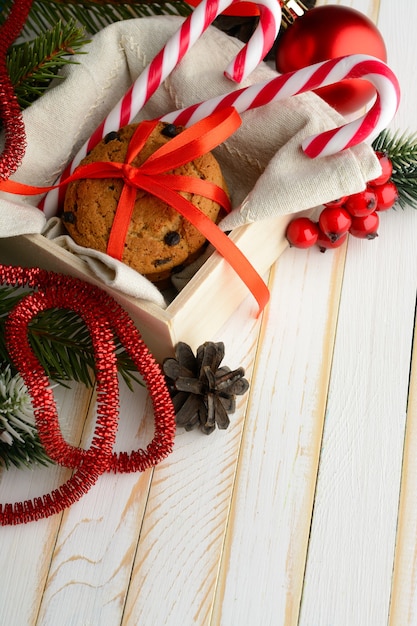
266, 171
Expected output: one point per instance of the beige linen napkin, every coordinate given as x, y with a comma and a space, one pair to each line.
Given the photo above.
266, 171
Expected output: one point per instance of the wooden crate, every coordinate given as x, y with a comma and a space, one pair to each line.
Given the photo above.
201, 308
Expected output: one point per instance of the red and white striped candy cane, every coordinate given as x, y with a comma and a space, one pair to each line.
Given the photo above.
166, 60
365, 128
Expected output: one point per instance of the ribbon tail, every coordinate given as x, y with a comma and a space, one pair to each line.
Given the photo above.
198, 139
11, 186
91, 170
122, 218
223, 244
204, 188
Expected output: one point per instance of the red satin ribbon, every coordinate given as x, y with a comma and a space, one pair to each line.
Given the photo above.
153, 177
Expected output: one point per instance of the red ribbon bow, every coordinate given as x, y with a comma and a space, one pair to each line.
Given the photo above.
153, 178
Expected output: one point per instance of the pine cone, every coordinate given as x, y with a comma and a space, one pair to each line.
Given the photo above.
203, 393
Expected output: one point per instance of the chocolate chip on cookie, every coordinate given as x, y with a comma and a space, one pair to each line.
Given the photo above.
68, 217
111, 136
170, 130
172, 238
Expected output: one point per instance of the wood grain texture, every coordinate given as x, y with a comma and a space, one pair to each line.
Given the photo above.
353, 534
177, 561
26, 550
262, 569
403, 610
350, 557
92, 559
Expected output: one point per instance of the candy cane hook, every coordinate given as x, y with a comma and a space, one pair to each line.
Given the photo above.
166, 60
321, 74
177, 46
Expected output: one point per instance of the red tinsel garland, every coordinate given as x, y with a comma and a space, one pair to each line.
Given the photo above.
103, 317
10, 112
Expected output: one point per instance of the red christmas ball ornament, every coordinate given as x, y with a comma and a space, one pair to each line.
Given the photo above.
328, 32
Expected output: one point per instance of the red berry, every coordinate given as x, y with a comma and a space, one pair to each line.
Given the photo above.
324, 243
302, 232
336, 203
365, 226
386, 196
361, 203
334, 222
386, 165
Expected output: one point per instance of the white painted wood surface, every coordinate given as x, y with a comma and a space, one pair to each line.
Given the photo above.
302, 513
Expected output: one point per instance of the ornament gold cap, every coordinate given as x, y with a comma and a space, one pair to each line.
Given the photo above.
291, 10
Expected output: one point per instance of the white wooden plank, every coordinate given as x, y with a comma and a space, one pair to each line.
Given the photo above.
403, 610
350, 558
351, 551
26, 549
262, 569
92, 559
176, 566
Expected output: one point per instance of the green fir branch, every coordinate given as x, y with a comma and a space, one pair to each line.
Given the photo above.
401, 148
93, 15
24, 453
56, 31
9, 297
33, 65
20, 445
62, 344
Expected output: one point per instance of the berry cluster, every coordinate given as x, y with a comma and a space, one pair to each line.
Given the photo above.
357, 214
